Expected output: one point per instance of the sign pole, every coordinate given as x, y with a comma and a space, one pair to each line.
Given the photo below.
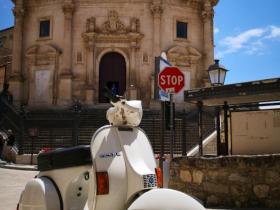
172, 140
171, 80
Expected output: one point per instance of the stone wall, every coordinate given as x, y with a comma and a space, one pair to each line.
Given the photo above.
234, 181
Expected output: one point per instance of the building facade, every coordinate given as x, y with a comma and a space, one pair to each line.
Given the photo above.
6, 38
6, 46
67, 50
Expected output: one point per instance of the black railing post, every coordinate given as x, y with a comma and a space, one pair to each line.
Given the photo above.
1, 109
218, 130
162, 126
21, 129
200, 124
225, 107
184, 139
76, 131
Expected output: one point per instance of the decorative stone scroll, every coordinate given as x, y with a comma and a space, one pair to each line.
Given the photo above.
185, 56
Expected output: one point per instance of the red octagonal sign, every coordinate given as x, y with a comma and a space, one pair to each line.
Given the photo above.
171, 80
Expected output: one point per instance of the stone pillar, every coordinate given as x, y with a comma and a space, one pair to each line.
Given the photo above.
156, 10
207, 16
15, 80
65, 83
90, 79
90, 73
132, 73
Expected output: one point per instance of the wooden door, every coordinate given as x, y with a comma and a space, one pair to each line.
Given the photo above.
112, 73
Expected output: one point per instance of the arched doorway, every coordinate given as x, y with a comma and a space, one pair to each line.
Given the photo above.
112, 73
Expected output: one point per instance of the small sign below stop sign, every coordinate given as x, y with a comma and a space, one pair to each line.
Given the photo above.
171, 80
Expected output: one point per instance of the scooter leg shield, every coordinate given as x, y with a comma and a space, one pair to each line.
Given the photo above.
40, 194
165, 199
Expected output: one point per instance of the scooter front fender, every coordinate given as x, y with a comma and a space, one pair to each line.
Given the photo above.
165, 199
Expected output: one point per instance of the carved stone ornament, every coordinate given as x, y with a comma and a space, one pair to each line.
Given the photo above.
112, 31
183, 56
156, 9
207, 15
68, 9
42, 55
18, 12
200, 4
113, 24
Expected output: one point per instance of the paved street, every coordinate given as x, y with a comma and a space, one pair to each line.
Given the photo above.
12, 182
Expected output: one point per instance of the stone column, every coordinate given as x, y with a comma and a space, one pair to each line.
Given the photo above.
15, 80
132, 71
90, 73
207, 16
65, 83
156, 10
68, 9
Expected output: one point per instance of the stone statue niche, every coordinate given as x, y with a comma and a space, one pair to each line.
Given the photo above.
134, 25
90, 26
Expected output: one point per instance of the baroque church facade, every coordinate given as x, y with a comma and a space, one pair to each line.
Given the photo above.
65, 50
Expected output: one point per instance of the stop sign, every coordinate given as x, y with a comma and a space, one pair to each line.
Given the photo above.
171, 80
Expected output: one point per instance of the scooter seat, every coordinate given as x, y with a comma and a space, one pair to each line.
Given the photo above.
64, 158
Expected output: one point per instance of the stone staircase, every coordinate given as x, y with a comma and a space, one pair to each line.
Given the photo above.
66, 128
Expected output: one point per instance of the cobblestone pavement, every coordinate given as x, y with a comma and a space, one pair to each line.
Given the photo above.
12, 182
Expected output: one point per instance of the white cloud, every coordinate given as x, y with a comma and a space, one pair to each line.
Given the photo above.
239, 41
251, 42
216, 30
255, 48
274, 32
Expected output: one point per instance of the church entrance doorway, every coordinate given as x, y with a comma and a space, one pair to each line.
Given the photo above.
112, 73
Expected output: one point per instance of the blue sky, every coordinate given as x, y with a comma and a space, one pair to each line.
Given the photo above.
6, 15
247, 37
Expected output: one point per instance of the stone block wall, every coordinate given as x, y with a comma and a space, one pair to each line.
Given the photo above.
233, 181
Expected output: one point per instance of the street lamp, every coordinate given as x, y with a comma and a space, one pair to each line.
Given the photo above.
217, 73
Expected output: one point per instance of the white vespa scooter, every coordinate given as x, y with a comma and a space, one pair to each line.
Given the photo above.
117, 172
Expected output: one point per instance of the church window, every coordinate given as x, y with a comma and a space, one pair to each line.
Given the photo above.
181, 29
45, 28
